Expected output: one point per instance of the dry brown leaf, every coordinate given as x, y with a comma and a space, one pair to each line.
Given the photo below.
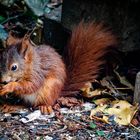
122, 110
68, 101
59, 116
102, 101
88, 92
73, 126
87, 87
92, 94
99, 119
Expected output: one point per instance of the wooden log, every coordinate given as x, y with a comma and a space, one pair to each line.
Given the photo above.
137, 89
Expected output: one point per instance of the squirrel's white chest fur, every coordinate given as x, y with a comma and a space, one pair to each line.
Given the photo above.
29, 98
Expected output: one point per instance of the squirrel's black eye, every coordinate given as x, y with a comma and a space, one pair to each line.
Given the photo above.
14, 67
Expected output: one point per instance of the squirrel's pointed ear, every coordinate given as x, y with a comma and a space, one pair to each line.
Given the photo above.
26, 48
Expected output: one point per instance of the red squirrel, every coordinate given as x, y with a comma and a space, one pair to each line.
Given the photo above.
38, 75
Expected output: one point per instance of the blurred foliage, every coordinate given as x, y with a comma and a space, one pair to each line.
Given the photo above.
20, 14
3, 33
7, 3
26, 16
39, 7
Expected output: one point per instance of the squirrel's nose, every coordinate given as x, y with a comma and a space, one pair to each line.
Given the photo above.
5, 79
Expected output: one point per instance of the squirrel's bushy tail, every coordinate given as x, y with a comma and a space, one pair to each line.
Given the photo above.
89, 43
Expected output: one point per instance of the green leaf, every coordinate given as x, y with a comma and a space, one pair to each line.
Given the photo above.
92, 125
2, 18
100, 133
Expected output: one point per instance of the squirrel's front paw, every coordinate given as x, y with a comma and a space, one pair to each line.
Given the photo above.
3, 91
8, 88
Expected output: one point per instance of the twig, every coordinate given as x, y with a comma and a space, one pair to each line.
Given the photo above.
30, 33
83, 124
123, 80
122, 88
60, 130
114, 87
10, 18
108, 83
135, 127
53, 132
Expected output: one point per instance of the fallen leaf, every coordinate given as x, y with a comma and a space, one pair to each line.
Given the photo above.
72, 126
95, 111
56, 107
59, 115
92, 94
68, 101
87, 87
122, 110
89, 92
99, 119
102, 101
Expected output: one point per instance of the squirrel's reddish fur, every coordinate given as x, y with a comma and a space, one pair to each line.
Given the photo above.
41, 75
85, 54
